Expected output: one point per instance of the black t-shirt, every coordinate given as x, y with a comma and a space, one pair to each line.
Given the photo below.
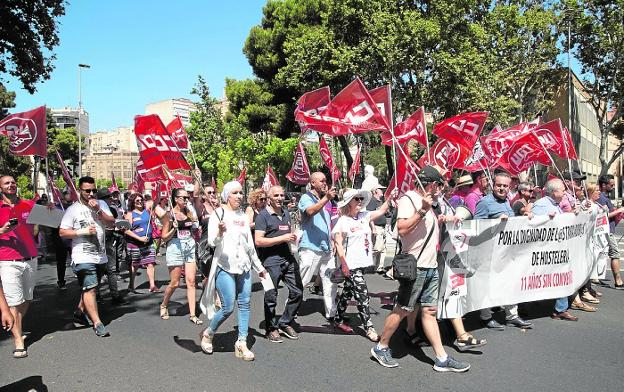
274, 225
374, 205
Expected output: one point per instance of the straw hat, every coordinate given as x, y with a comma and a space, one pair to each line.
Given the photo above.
464, 180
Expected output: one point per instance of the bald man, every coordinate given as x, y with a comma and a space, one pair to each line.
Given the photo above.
315, 251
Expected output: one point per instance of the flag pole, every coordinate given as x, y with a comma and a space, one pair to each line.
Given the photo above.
552, 161
395, 142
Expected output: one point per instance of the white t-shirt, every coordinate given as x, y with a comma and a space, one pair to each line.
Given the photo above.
413, 241
356, 239
87, 248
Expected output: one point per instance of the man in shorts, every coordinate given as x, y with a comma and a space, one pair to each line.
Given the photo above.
420, 235
18, 257
606, 183
84, 223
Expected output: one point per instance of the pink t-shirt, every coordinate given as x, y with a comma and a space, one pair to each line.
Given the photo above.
18, 243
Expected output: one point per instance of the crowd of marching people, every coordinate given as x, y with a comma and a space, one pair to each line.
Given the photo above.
326, 239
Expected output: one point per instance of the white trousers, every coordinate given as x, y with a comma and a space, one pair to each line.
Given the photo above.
320, 263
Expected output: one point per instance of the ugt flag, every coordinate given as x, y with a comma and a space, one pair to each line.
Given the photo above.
27, 132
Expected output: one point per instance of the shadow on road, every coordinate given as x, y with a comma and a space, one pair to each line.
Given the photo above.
28, 384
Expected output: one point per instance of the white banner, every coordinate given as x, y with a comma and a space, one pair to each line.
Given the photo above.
492, 262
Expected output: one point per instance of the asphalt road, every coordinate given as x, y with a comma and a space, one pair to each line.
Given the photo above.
146, 353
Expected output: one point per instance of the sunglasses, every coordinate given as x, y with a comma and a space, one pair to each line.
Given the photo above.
183, 197
88, 190
210, 192
358, 198
138, 200
279, 195
263, 199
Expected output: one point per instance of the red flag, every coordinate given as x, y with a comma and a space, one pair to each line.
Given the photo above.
351, 111
149, 174
524, 152
300, 171
499, 140
57, 196
156, 146
26, 132
177, 180
113, 187
312, 103
414, 127
270, 179
355, 167
242, 176
328, 160
382, 97
138, 185
551, 136
178, 134
405, 175
446, 154
569, 144
463, 129
476, 161
160, 191
67, 177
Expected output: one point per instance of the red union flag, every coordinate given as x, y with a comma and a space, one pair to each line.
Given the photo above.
270, 179
499, 140
160, 191
328, 160
446, 154
67, 177
476, 161
243, 175
26, 132
177, 180
405, 176
156, 146
463, 129
381, 96
550, 135
524, 152
300, 171
113, 187
569, 144
355, 167
414, 127
353, 110
57, 197
149, 174
178, 134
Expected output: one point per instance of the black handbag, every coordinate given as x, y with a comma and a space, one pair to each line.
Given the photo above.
404, 265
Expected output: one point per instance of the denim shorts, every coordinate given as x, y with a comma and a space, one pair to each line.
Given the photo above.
422, 291
180, 252
89, 274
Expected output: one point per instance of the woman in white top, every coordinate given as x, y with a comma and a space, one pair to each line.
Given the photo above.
352, 238
230, 275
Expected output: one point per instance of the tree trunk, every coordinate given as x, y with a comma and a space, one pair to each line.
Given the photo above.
345, 150
389, 162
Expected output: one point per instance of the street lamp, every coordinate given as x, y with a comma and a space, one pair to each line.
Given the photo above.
80, 67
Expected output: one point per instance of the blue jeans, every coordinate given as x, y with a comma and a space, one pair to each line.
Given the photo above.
561, 304
231, 287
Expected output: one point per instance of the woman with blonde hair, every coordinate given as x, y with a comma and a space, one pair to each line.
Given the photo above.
257, 202
230, 273
177, 231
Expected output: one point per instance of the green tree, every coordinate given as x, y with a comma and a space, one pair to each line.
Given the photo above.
29, 35
597, 34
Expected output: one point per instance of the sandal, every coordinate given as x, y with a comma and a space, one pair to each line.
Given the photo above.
164, 312
155, 290
205, 341
241, 351
195, 320
20, 353
468, 342
580, 305
587, 297
372, 335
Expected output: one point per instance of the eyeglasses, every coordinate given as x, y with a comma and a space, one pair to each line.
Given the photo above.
279, 195
183, 197
262, 199
210, 192
358, 198
88, 190
138, 200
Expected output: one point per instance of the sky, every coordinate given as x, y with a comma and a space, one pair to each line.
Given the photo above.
142, 52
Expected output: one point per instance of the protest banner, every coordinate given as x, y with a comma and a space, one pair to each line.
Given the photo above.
493, 262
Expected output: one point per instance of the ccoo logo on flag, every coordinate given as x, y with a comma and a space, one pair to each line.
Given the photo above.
22, 133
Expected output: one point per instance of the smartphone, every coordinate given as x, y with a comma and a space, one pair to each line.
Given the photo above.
13, 222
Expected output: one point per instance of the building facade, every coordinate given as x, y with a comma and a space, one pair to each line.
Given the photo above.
581, 119
168, 109
120, 139
69, 117
112, 152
